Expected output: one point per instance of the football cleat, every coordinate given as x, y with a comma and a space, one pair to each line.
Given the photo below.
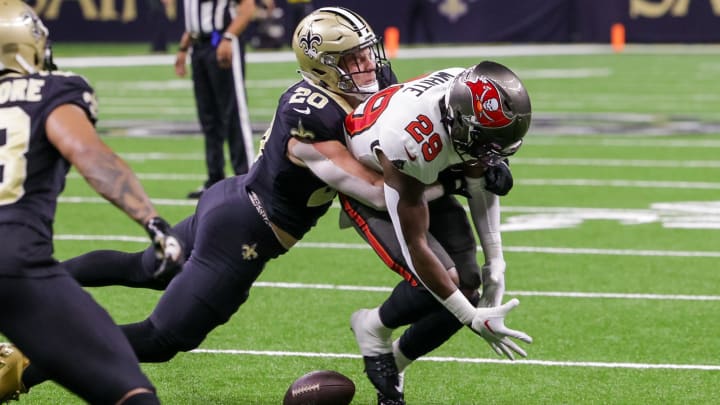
383, 374
383, 400
12, 365
196, 194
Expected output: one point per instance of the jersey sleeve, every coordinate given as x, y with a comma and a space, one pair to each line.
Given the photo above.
69, 88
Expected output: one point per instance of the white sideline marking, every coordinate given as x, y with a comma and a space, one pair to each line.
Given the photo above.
697, 185
516, 249
615, 162
560, 294
594, 364
556, 294
632, 143
620, 183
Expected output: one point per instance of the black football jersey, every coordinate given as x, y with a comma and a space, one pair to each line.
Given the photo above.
293, 196
32, 171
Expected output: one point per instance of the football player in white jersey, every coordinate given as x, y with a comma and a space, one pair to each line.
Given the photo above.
459, 120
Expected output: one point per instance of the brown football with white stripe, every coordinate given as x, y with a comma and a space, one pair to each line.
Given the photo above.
322, 387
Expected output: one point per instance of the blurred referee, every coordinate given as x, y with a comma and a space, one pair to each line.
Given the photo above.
213, 30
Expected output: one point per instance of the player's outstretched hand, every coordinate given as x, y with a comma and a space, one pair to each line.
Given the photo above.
489, 323
168, 249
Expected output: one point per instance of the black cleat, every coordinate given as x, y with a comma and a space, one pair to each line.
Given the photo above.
194, 195
383, 374
383, 400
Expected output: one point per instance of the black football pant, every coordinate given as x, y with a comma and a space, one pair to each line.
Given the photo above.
228, 245
217, 109
66, 335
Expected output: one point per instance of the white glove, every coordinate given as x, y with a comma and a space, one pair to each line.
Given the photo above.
493, 284
490, 324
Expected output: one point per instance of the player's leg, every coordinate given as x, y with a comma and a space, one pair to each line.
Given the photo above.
229, 85
71, 339
204, 63
110, 267
408, 303
450, 226
231, 248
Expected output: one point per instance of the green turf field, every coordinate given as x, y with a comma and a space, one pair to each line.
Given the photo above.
611, 239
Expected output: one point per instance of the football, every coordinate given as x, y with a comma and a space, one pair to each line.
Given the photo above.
322, 387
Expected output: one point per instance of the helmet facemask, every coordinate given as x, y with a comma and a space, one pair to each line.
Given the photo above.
357, 57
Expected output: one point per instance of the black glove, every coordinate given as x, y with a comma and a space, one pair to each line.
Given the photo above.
498, 179
453, 181
168, 249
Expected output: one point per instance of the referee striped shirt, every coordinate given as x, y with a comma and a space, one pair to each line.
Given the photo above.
202, 17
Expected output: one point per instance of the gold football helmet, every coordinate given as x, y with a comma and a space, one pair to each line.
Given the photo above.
321, 40
23, 38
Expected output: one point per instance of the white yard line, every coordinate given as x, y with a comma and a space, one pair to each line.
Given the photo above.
474, 51
520, 249
472, 360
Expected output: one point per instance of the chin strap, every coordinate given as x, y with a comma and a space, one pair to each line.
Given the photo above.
19, 59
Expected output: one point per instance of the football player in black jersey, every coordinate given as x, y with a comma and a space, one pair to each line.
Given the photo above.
47, 124
245, 221
242, 222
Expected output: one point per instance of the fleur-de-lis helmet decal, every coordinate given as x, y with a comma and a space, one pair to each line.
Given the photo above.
309, 43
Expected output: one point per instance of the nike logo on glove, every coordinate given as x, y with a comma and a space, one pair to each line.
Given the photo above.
305, 111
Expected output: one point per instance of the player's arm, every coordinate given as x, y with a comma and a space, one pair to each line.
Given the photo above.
332, 162
409, 212
71, 132
485, 213
244, 12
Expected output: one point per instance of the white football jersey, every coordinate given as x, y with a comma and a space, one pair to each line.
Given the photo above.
404, 122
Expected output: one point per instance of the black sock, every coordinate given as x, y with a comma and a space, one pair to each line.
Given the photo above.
33, 376
109, 267
431, 332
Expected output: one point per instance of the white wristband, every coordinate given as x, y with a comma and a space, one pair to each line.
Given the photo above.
459, 306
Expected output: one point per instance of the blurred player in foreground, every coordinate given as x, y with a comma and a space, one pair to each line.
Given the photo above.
47, 124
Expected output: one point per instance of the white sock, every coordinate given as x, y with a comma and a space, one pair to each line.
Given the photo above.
401, 361
378, 328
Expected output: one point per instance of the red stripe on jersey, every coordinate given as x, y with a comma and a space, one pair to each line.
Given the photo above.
379, 249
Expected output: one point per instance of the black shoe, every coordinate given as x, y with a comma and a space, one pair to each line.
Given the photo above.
383, 374
197, 193
383, 400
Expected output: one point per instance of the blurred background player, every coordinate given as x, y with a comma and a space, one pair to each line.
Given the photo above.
46, 124
467, 121
218, 83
